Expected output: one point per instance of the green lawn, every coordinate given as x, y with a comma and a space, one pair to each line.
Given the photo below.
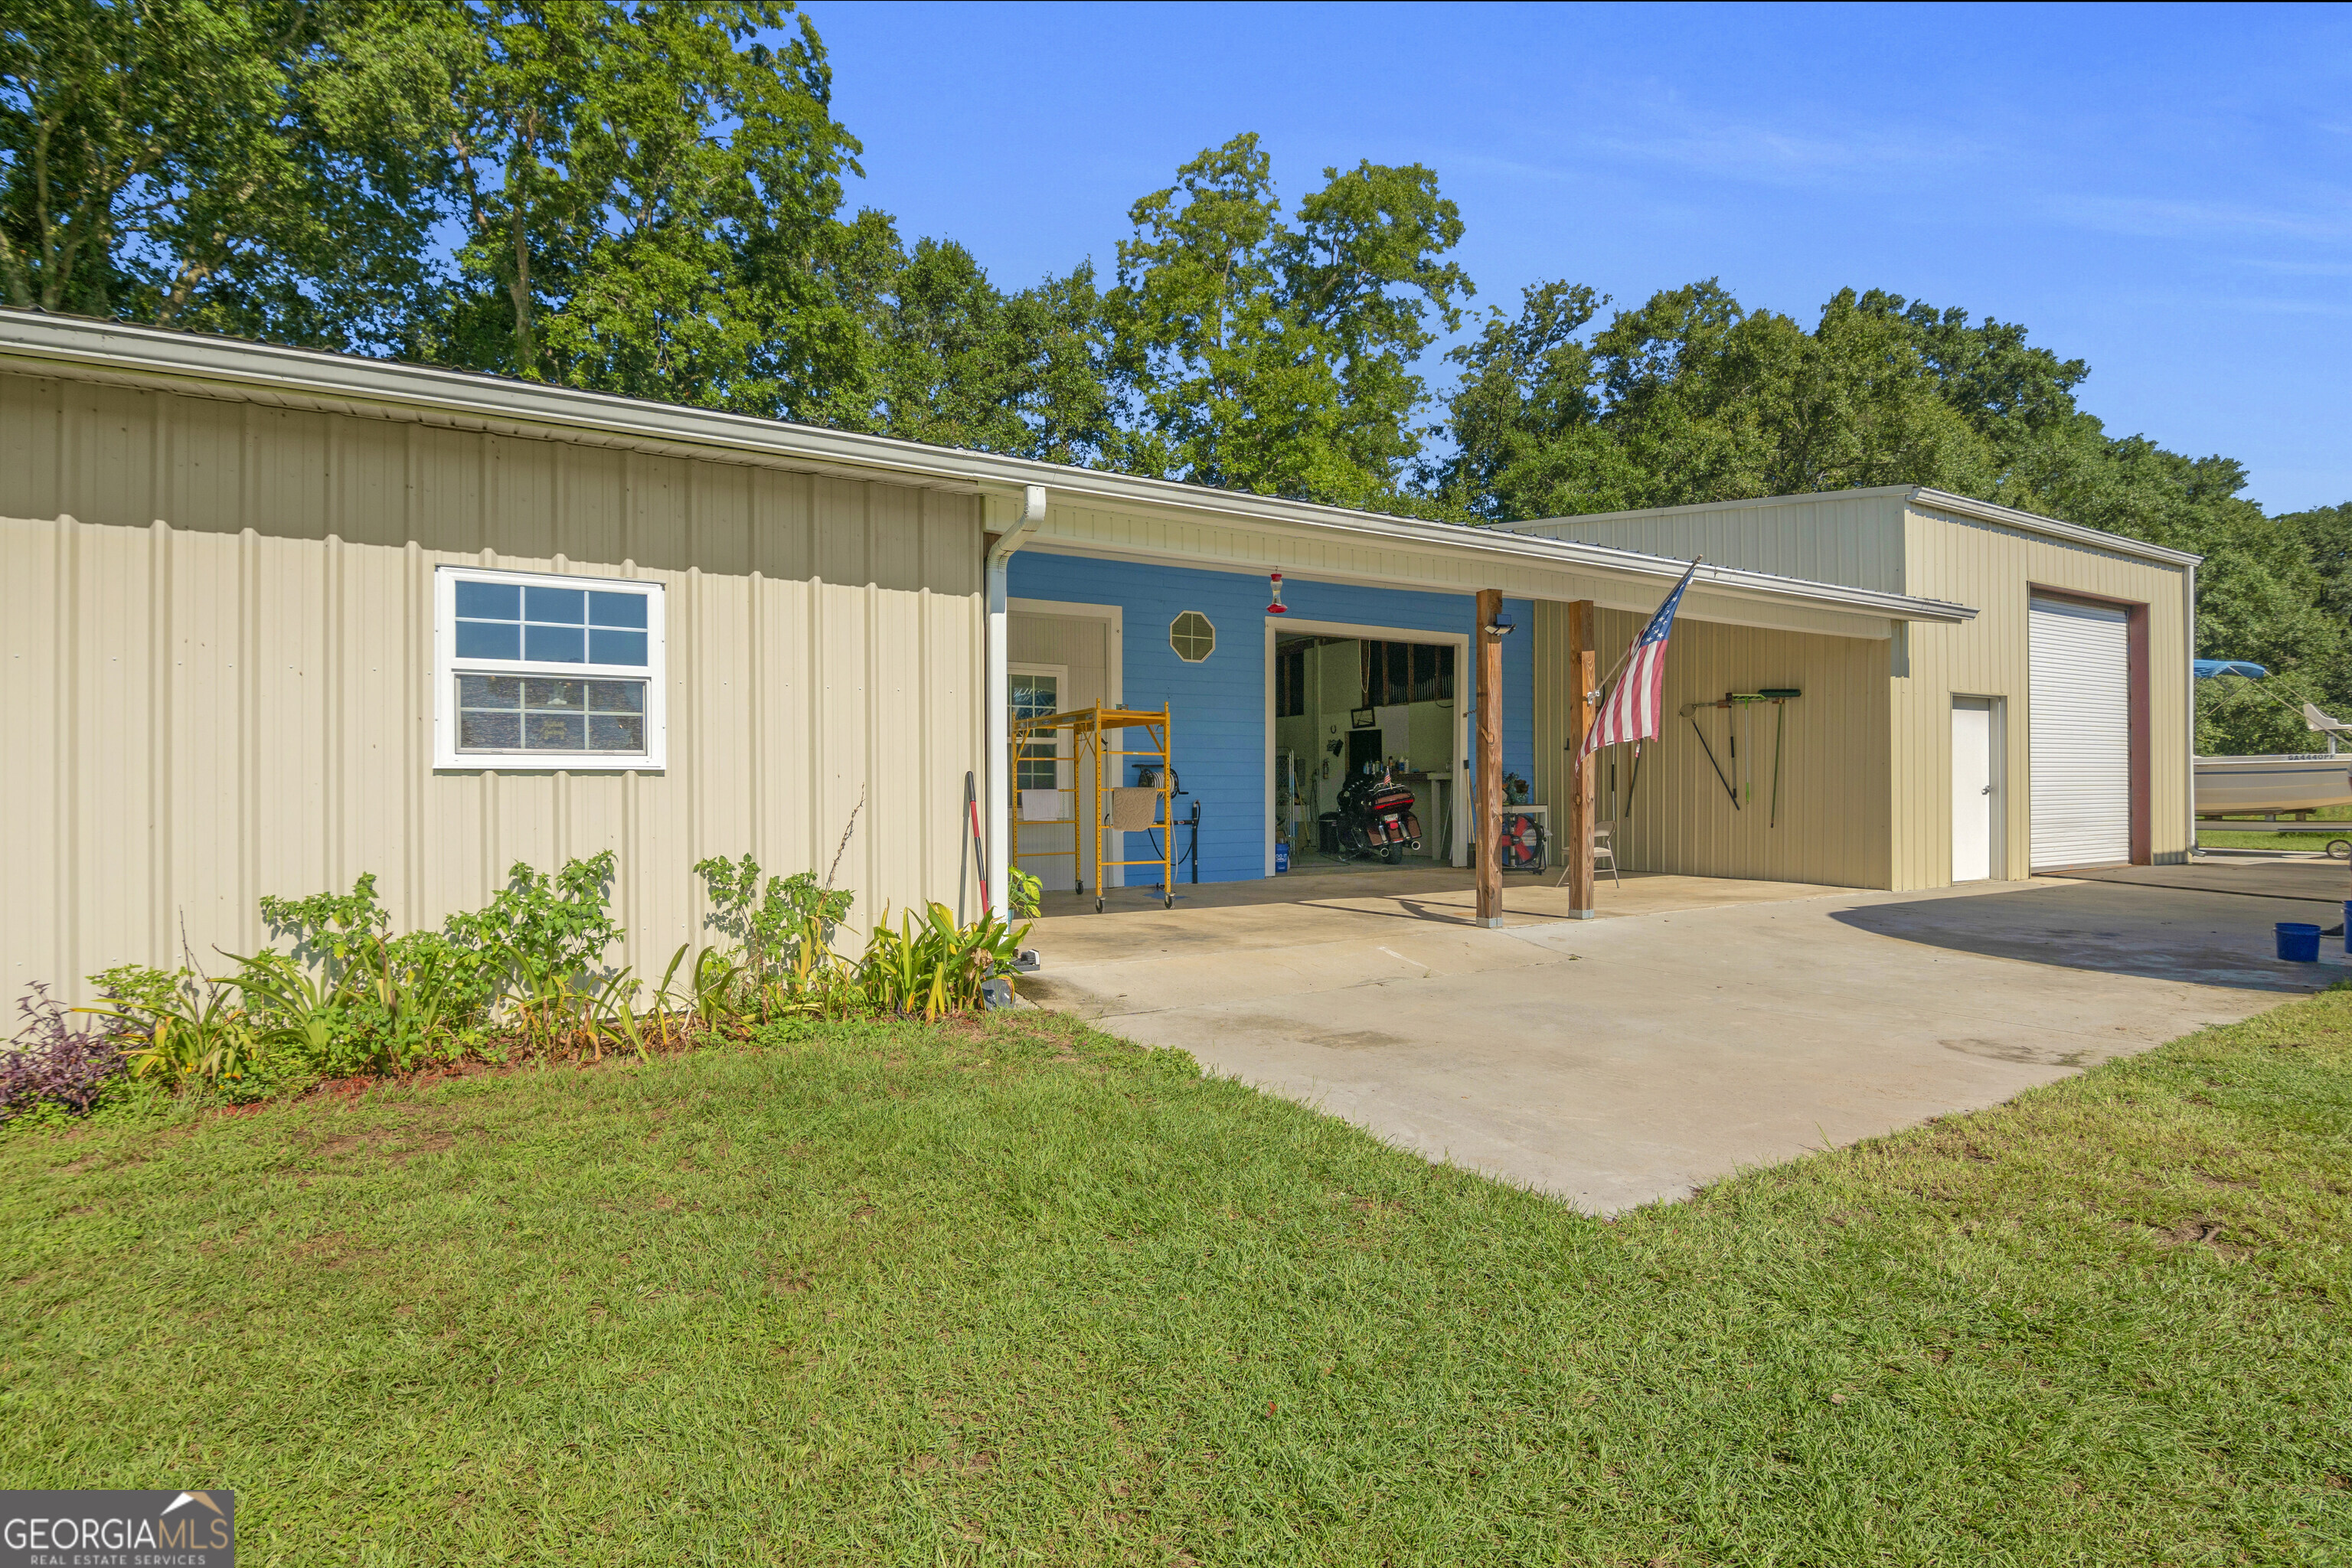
1022, 1294
2253, 837
2308, 843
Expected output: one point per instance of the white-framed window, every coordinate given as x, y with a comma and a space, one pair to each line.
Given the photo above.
533, 671
1193, 637
1036, 691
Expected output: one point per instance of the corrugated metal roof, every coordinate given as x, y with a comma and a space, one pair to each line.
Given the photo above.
1917, 496
222, 366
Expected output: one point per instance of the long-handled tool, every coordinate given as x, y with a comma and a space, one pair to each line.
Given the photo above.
963, 861
1693, 717
1735, 706
1778, 697
979, 847
1731, 744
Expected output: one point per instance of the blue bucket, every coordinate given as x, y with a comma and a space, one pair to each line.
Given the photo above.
2298, 942
1281, 856
2348, 928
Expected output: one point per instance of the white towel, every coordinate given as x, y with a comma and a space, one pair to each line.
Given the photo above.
1041, 805
1133, 810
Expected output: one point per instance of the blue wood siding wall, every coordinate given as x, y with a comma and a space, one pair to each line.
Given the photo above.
1219, 704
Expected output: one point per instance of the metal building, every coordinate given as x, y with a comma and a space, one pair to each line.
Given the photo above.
2051, 729
274, 619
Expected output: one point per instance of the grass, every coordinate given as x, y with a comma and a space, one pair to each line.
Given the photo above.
2306, 843
1020, 1293
2253, 837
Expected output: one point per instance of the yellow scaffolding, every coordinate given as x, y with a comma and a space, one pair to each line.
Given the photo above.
1091, 729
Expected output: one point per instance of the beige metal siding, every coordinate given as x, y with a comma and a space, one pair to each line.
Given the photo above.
1995, 568
1834, 823
1854, 539
217, 625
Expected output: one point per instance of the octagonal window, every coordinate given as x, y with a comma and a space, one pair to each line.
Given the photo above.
1192, 636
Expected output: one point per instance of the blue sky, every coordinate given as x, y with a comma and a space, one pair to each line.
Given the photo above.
2165, 192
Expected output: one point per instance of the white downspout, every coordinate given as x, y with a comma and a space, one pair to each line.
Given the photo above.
997, 763
2189, 633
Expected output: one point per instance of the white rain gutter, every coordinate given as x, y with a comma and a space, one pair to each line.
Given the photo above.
998, 764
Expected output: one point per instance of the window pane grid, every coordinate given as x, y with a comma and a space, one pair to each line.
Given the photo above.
1407, 672
552, 626
527, 713
1038, 761
1193, 637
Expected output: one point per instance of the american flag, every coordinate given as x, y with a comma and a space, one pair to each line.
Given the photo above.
1634, 708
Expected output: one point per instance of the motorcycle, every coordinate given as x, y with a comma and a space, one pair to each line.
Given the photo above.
1376, 817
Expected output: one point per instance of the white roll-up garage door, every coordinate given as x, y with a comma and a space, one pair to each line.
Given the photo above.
2079, 733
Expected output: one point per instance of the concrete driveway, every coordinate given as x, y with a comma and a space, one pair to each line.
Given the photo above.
1699, 1028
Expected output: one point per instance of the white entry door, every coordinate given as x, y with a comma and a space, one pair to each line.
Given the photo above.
1972, 789
2078, 742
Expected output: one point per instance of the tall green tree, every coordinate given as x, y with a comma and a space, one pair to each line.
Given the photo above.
1690, 397
1276, 354
2018, 396
252, 166
650, 198
1526, 417
962, 364
2261, 594
2326, 535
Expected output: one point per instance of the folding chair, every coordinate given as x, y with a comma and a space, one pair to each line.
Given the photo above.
1604, 851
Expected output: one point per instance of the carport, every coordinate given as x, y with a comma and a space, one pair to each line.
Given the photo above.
1204, 604
2049, 731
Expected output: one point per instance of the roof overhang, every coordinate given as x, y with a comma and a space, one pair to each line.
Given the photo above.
1092, 513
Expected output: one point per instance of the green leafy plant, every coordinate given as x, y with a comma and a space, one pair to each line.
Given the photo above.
527, 972
294, 1012
538, 943
380, 1003
932, 966
770, 924
715, 980
176, 1028
1025, 893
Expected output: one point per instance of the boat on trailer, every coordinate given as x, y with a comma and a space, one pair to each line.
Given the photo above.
2283, 782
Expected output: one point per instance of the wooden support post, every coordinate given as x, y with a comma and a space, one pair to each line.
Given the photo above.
1487, 775
1583, 675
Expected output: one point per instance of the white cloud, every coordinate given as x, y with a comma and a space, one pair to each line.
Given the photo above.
2164, 218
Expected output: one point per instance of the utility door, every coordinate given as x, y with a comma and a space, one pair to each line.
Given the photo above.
2078, 742
1973, 791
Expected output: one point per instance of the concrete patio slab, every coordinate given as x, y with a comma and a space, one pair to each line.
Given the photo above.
1299, 909
1629, 1059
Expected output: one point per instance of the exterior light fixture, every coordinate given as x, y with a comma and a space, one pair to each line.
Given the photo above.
1502, 627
